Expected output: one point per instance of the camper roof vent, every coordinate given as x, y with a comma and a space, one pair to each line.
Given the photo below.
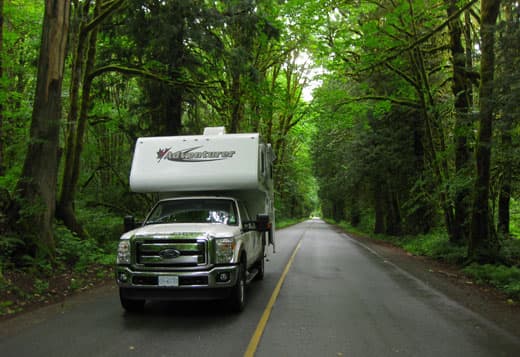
215, 130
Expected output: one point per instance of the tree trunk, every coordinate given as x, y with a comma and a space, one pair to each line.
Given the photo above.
36, 188
483, 244
461, 88
2, 89
355, 212
338, 210
504, 198
237, 112
81, 81
173, 115
65, 207
379, 206
393, 216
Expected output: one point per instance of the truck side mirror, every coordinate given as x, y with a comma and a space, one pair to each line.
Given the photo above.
128, 223
262, 223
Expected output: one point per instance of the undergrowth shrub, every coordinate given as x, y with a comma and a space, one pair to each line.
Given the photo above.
503, 277
79, 253
8, 244
435, 245
103, 226
510, 252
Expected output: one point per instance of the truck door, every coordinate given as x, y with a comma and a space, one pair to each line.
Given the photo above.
253, 240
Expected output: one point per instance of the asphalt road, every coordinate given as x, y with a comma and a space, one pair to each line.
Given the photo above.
339, 298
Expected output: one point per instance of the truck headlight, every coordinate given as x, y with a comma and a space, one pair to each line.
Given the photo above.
224, 248
123, 252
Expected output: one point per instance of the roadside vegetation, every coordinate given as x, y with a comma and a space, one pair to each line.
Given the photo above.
399, 117
78, 264
417, 138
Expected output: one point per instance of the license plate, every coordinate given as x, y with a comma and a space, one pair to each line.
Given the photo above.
168, 280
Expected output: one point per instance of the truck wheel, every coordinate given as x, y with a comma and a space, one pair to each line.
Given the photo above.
131, 305
238, 292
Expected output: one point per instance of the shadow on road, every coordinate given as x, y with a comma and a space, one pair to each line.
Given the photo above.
181, 314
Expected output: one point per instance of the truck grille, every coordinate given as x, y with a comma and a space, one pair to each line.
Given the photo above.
175, 253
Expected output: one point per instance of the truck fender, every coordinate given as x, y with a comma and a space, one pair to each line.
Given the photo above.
239, 251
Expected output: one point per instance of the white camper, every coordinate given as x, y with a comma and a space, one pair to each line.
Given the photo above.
206, 238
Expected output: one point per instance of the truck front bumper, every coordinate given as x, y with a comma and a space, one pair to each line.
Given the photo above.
176, 285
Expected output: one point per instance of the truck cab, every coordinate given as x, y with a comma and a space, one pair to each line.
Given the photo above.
200, 244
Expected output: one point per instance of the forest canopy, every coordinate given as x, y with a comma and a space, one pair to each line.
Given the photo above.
412, 125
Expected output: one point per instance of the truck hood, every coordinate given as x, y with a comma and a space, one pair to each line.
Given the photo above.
199, 229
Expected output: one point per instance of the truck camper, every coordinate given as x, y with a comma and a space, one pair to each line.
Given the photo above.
207, 236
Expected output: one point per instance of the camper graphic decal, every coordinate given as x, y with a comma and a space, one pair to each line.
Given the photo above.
190, 155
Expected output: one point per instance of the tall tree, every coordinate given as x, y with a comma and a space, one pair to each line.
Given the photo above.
83, 61
36, 188
508, 74
483, 244
462, 92
170, 36
2, 169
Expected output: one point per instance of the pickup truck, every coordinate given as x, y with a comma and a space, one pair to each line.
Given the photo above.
199, 242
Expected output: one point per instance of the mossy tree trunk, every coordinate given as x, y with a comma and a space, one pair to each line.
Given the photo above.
2, 169
462, 91
483, 245
36, 188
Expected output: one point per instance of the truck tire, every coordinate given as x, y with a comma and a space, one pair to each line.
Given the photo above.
131, 305
237, 299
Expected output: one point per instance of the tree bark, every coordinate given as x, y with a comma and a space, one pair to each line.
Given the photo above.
36, 188
2, 89
237, 109
461, 88
507, 64
483, 245
81, 83
65, 207
379, 207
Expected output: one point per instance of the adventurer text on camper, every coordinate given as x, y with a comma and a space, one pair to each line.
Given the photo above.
189, 155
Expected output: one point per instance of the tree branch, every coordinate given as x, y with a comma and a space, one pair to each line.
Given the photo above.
421, 39
146, 74
110, 8
402, 102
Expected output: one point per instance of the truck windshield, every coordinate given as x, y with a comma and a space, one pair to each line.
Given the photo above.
194, 211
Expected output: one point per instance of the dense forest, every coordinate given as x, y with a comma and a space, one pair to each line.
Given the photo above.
400, 117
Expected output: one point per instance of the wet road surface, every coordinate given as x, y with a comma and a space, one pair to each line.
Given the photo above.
339, 298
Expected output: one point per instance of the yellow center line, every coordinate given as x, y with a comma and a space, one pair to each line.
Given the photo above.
255, 340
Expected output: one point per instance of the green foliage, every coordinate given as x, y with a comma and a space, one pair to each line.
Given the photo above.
76, 284
375, 145
103, 226
286, 222
500, 276
80, 253
22, 34
297, 189
510, 252
8, 245
40, 286
435, 245
515, 218
7, 308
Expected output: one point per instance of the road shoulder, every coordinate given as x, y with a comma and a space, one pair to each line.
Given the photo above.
450, 281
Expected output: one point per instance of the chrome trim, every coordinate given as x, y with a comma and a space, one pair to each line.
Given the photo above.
210, 274
146, 252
